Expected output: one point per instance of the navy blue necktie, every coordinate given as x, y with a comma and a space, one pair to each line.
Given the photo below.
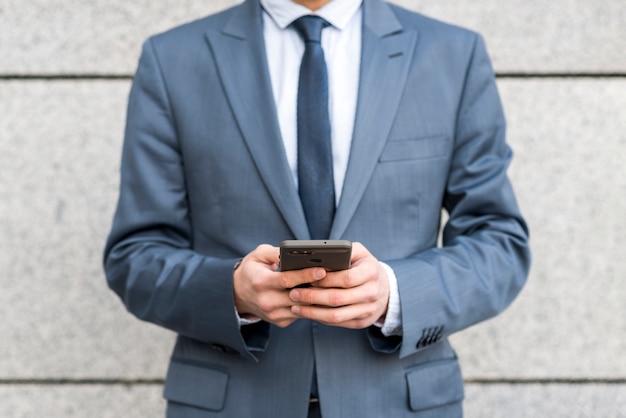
315, 159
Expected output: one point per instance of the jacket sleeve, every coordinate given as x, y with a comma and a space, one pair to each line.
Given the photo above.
484, 260
148, 259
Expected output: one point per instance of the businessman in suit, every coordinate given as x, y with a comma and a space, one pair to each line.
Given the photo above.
211, 184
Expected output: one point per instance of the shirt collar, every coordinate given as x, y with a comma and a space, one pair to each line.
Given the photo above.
338, 12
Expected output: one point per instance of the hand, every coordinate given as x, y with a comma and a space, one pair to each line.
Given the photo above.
353, 298
262, 291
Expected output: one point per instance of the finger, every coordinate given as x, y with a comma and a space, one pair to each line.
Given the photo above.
271, 301
344, 279
351, 316
361, 272
292, 278
335, 297
258, 292
282, 318
274, 307
266, 254
358, 252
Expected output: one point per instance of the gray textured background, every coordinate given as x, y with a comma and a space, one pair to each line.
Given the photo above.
68, 348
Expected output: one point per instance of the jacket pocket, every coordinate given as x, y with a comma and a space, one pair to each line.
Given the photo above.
196, 386
415, 149
435, 384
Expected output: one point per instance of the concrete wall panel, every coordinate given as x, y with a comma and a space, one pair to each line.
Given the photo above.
553, 401
570, 320
80, 401
61, 145
75, 37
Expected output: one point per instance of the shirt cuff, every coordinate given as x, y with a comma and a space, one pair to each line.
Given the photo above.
247, 320
392, 323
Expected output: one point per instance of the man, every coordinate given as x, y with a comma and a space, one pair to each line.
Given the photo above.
210, 186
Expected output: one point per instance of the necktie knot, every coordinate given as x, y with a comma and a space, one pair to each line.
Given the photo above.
310, 27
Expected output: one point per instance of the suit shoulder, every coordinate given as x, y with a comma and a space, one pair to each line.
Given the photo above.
193, 31
433, 28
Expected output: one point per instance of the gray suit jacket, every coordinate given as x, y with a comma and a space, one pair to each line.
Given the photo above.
205, 180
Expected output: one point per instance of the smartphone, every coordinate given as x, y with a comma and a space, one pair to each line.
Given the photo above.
333, 255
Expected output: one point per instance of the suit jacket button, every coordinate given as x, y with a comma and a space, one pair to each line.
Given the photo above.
430, 336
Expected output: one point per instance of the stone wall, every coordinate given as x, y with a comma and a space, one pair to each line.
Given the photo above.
69, 349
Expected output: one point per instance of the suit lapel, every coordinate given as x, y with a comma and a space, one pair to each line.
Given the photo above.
387, 52
239, 51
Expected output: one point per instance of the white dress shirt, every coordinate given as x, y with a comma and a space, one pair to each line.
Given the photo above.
341, 43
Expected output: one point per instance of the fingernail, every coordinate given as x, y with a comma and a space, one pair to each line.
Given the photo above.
295, 310
295, 295
319, 274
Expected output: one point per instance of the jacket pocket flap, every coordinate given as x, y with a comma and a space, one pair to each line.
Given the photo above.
196, 386
435, 384
415, 148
